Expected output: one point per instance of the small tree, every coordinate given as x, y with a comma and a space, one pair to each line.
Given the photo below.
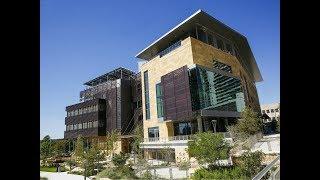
250, 162
46, 149
208, 147
119, 160
91, 159
248, 125
79, 150
137, 139
59, 148
111, 140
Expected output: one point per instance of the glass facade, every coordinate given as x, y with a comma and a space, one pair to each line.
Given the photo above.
146, 94
211, 90
159, 100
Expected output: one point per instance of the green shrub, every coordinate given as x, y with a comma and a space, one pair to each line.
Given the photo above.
208, 147
146, 175
122, 172
120, 159
223, 173
250, 162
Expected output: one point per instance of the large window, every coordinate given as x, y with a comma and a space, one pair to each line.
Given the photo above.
183, 128
212, 90
159, 100
146, 94
153, 133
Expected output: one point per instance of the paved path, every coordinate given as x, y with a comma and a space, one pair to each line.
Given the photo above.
61, 176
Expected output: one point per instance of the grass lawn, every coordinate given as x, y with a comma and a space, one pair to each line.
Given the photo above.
48, 169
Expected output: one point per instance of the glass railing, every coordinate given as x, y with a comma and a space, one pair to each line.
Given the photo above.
180, 138
170, 48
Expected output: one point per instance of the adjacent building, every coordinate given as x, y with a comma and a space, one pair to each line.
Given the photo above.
272, 110
197, 77
109, 102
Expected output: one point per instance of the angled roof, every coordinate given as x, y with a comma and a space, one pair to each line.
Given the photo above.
208, 21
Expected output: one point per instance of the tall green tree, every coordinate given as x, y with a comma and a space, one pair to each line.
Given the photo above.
208, 147
46, 149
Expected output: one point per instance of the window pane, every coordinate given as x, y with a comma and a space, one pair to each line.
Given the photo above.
153, 132
202, 36
159, 100
146, 94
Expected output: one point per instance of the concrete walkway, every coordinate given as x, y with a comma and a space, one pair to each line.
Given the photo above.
61, 176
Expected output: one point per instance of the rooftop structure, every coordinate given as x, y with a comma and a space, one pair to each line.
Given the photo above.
119, 73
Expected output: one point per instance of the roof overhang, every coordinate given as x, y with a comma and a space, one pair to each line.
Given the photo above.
201, 17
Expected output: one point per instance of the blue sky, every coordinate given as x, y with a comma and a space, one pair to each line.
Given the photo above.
81, 39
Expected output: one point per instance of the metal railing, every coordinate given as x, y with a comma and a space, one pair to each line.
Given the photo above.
267, 169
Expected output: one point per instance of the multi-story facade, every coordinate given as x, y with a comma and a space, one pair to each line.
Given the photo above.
109, 102
272, 110
197, 77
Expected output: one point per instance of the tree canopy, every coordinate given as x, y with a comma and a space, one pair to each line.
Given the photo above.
208, 147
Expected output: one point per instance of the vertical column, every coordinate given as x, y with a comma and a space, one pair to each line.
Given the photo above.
226, 124
214, 124
199, 120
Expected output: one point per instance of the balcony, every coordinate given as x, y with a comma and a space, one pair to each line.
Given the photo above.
174, 141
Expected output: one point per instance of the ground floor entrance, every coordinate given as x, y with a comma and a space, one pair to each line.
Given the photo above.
202, 124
